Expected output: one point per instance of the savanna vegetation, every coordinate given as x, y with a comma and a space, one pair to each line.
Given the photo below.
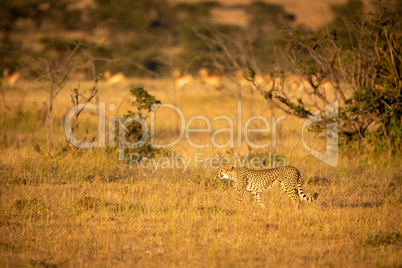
112, 205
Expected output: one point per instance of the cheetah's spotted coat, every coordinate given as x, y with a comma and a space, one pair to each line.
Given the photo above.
257, 181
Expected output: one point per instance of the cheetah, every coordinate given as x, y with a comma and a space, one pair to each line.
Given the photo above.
257, 181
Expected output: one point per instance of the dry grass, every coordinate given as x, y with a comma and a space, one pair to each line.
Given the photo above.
84, 207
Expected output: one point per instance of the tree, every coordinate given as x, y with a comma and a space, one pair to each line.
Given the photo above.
366, 77
55, 72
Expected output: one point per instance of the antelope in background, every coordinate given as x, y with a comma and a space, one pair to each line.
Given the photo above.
182, 80
114, 78
211, 80
11, 78
297, 88
329, 90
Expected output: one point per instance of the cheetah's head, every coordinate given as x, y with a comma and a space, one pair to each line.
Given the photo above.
224, 173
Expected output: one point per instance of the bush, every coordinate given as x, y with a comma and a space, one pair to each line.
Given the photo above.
143, 104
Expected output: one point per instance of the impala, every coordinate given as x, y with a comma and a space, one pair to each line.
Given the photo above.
211, 80
182, 80
11, 78
329, 91
248, 82
114, 78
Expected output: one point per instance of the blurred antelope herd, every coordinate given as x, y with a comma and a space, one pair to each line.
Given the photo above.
292, 87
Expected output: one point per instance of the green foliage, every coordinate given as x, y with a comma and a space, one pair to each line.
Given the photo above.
350, 12
143, 100
56, 47
139, 32
193, 27
141, 15
143, 104
266, 25
27, 18
268, 17
195, 11
59, 13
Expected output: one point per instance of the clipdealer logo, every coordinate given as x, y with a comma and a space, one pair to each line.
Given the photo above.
148, 131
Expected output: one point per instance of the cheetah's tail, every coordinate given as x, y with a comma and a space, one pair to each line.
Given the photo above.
305, 197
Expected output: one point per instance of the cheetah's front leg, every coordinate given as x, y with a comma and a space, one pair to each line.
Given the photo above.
240, 195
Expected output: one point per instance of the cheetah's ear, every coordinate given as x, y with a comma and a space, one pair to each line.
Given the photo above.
232, 168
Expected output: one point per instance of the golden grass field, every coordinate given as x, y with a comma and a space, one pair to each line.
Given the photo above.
84, 207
